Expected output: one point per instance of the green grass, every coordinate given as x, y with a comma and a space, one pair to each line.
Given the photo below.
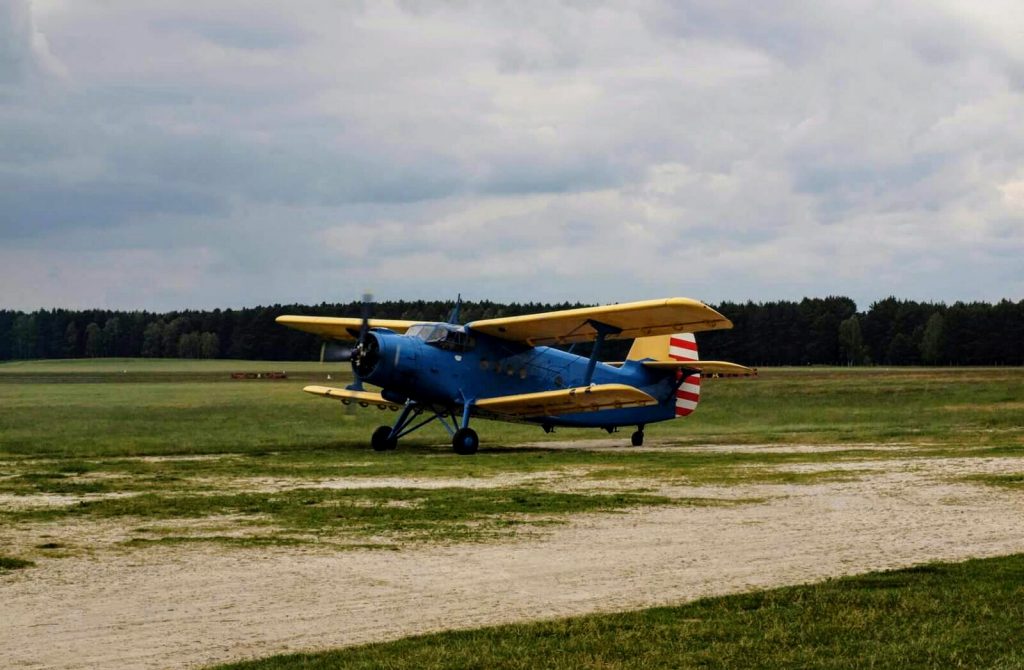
920, 405
175, 413
86, 409
1013, 480
108, 475
394, 514
961, 615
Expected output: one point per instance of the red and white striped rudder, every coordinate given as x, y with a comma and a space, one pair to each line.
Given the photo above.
683, 347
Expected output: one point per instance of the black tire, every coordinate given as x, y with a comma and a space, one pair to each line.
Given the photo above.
380, 440
465, 441
638, 438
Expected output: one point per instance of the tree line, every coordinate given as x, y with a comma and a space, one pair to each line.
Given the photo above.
830, 331
813, 331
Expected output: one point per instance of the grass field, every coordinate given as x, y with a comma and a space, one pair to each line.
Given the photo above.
85, 409
897, 619
152, 441
123, 455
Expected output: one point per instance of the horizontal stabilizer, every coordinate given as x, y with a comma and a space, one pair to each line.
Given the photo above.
621, 322
566, 401
340, 328
707, 367
363, 398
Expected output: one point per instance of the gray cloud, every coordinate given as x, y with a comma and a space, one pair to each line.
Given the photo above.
526, 151
36, 208
235, 33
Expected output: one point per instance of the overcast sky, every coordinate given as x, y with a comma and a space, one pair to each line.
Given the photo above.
162, 154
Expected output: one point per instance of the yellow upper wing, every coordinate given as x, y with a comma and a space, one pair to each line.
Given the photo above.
340, 328
631, 319
566, 401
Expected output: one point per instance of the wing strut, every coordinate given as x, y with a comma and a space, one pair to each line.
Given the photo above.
603, 331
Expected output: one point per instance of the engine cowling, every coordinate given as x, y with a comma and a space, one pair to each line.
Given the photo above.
386, 359
366, 356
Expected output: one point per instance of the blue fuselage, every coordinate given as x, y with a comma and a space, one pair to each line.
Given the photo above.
444, 365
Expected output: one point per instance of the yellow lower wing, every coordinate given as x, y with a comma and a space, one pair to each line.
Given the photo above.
363, 398
566, 401
544, 403
709, 367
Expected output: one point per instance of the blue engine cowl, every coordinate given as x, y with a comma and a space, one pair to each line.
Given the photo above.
366, 357
388, 360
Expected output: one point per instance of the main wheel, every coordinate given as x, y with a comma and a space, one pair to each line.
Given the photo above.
381, 439
465, 441
638, 438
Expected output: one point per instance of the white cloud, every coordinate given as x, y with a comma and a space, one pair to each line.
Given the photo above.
24, 51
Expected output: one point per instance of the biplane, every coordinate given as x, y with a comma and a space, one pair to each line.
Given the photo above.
512, 368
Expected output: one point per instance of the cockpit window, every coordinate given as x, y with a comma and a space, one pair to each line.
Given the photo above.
443, 335
418, 330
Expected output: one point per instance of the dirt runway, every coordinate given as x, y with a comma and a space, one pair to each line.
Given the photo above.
186, 606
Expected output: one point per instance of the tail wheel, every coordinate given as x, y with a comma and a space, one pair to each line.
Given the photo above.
465, 441
381, 439
638, 438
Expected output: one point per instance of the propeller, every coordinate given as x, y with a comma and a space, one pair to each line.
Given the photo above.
364, 345
365, 310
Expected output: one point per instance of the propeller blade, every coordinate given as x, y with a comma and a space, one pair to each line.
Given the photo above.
367, 306
364, 329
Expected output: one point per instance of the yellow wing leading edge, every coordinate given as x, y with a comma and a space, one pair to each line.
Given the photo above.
623, 321
362, 398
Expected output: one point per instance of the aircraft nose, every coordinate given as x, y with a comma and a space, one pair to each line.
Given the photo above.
366, 356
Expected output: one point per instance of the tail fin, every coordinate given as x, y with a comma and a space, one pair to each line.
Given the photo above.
678, 347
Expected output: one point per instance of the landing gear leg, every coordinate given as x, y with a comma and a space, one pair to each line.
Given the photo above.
638, 437
464, 441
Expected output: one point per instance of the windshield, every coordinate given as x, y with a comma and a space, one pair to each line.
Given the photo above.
420, 330
442, 335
